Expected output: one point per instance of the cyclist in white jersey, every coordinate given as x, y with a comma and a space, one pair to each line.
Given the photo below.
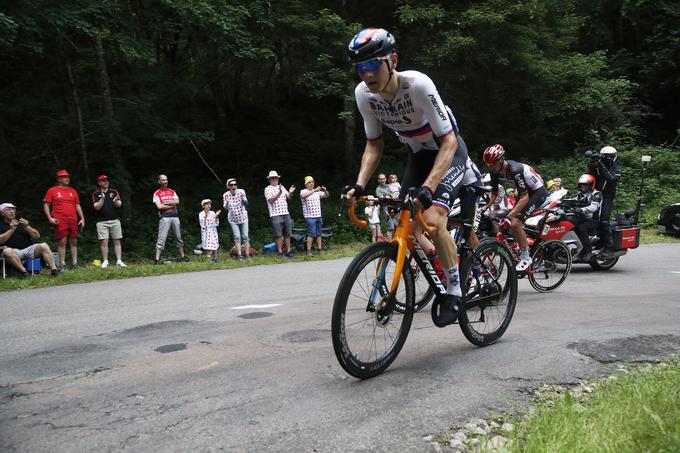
408, 103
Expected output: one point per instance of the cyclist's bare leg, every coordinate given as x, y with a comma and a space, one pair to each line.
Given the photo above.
424, 242
446, 246
517, 230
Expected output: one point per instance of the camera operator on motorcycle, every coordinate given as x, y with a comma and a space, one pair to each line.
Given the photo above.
607, 172
531, 194
589, 201
408, 103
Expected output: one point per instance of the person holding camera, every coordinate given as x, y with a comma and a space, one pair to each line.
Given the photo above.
107, 202
18, 240
311, 210
607, 172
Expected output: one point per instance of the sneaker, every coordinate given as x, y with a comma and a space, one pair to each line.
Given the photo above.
449, 307
185, 259
120, 263
76, 265
55, 272
25, 275
156, 262
63, 268
105, 264
281, 255
290, 255
309, 253
523, 265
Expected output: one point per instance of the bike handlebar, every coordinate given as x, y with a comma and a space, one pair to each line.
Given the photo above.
389, 201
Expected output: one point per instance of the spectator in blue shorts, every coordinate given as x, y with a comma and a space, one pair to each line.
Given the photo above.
311, 209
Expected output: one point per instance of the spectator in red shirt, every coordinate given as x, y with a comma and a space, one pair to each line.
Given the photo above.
62, 208
166, 201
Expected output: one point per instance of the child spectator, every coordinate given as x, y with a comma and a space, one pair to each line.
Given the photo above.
372, 212
392, 221
395, 187
209, 220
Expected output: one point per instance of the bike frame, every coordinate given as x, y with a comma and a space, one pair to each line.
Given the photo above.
405, 241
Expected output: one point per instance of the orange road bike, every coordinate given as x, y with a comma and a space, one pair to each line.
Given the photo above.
374, 304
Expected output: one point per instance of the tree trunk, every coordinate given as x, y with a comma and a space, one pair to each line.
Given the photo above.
79, 115
120, 173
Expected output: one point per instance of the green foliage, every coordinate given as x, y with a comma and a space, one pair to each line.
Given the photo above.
260, 85
633, 412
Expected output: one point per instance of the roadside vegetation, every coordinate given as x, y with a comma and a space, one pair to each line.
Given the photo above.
144, 269
635, 409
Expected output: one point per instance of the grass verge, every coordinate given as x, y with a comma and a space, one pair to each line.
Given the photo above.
637, 411
91, 273
650, 235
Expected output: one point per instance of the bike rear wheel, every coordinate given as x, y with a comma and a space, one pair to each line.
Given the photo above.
490, 287
551, 264
367, 331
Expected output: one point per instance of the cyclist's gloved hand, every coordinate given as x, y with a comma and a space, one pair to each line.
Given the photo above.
505, 223
358, 190
424, 195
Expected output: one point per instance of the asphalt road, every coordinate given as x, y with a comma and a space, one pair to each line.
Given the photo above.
175, 363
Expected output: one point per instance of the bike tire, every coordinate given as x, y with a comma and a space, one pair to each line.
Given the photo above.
484, 324
365, 341
551, 264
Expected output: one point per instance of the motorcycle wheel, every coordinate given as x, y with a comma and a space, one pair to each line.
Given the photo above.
603, 264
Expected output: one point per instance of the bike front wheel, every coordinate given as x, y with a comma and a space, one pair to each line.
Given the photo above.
490, 287
551, 264
368, 332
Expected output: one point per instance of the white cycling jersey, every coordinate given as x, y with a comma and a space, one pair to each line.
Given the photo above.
417, 113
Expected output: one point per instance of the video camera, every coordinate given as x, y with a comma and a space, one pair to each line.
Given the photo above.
592, 154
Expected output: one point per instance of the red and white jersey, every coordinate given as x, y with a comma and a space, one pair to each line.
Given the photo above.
417, 113
521, 175
62, 201
311, 206
234, 204
164, 196
280, 206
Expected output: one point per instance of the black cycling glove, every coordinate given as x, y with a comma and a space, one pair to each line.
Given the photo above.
358, 190
424, 194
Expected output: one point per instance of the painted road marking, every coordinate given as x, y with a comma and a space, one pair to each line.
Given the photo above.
675, 272
246, 307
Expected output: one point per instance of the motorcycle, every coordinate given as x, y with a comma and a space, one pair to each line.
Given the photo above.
558, 223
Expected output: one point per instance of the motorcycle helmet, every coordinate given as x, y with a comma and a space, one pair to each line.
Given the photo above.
493, 154
369, 44
609, 153
586, 180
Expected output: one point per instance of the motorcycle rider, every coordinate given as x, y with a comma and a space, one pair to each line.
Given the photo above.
590, 200
607, 172
531, 193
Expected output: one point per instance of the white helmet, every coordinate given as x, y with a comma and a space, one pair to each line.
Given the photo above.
608, 151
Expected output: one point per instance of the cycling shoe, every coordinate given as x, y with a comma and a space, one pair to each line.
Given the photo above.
523, 265
448, 307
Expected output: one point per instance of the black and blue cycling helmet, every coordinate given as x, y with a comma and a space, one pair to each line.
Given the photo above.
370, 43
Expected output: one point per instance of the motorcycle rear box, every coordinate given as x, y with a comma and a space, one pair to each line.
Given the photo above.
626, 237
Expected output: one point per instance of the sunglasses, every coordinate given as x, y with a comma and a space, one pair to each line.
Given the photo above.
232, 185
370, 65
